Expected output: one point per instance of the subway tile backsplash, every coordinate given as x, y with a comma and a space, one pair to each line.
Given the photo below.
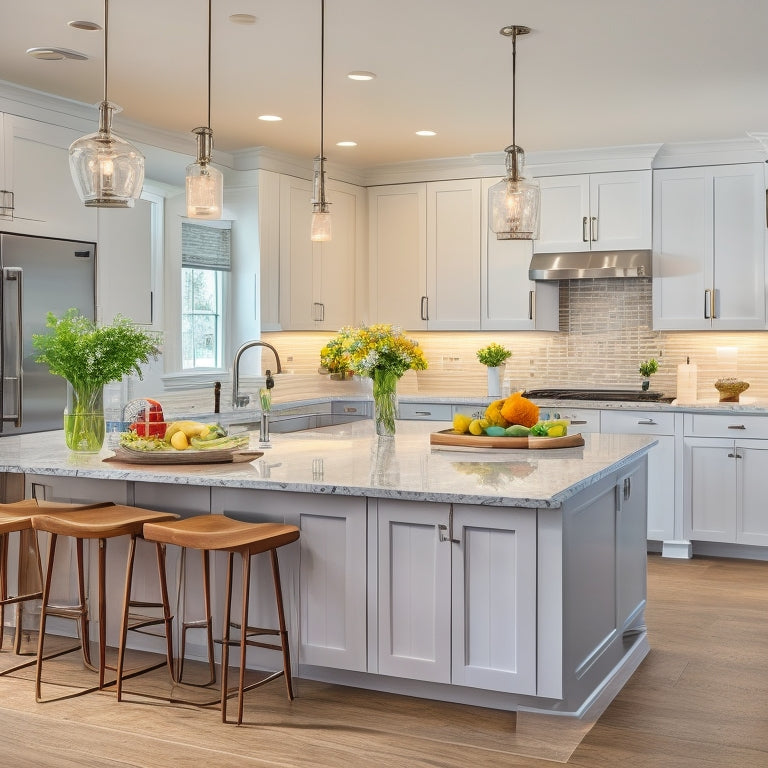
606, 330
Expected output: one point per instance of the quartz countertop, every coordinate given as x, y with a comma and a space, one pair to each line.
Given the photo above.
351, 460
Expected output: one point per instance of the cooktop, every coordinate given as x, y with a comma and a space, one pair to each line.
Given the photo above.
626, 395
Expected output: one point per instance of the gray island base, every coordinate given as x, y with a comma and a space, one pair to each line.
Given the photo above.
511, 579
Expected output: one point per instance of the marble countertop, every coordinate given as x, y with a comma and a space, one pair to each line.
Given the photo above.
351, 460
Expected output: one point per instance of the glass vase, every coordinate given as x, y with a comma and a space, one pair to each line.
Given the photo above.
384, 401
84, 418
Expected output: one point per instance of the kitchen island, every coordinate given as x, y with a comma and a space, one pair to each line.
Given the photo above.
510, 579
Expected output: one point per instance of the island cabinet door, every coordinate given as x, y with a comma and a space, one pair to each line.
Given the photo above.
494, 598
414, 590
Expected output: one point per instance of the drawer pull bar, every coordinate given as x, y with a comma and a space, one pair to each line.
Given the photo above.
648, 422
736, 426
578, 421
423, 413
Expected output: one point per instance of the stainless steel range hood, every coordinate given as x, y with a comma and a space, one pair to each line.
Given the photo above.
580, 265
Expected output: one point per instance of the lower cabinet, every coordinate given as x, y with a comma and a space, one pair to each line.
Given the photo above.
456, 594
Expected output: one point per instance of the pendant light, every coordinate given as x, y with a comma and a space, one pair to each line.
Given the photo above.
321, 216
513, 203
108, 172
205, 184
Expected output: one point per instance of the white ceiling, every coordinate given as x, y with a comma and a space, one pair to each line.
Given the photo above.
593, 73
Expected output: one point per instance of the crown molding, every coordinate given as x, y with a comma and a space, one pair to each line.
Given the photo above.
748, 149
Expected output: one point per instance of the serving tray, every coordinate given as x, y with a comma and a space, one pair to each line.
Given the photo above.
448, 437
189, 456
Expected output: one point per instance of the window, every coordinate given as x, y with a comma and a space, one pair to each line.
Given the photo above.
205, 266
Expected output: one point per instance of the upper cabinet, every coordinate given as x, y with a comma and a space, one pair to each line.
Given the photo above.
124, 262
434, 266
709, 248
595, 212
318, 280
509, 300
35, 168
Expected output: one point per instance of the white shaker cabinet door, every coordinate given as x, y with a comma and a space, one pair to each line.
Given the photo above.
414, 591
751, 510
494, 598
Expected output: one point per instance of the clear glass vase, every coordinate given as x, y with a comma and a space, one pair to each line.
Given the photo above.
84, 426
384, 401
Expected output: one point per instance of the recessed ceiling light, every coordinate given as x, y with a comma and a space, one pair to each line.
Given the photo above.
56, 54
242, 18
88, 26
361, 75
270, 118
346, 143
426, 133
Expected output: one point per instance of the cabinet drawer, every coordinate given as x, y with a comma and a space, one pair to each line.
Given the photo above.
637, 422
582, 419
426, 411
734, 426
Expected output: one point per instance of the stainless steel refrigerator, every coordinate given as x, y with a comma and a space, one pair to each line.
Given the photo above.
39, 275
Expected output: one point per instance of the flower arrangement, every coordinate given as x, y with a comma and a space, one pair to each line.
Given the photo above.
379, 352
88, 357
493, 355
649, 367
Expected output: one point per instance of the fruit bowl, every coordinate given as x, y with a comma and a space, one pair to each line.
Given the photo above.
730, 389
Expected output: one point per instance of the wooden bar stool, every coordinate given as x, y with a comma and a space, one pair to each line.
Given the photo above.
100, 524
17, 518
216, 533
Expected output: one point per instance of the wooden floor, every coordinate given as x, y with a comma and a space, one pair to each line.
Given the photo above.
700, 699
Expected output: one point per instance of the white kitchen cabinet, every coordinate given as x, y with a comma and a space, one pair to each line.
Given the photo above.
709, 248
661, 463
581, 420
453, 255
36, 170
124, 261
595, 212
397, 251
456, 595
425, 411
509, 300
726, 478
317, 280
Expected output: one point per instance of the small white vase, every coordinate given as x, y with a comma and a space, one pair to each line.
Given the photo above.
495, 377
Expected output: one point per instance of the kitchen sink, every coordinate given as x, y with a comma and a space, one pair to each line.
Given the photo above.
296, 422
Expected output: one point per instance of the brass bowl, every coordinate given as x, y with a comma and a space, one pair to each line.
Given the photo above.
730, 389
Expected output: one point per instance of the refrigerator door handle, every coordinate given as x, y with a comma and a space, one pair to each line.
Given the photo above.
12, 274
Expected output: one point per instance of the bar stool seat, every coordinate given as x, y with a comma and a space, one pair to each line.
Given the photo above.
218, 533
100, 524
16, 517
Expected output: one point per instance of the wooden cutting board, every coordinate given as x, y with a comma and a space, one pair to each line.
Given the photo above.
448, 437
208, 456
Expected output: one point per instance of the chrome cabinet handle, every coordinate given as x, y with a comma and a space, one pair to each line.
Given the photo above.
647, 422
578, 421
736, 426
531, 304
13, 274
593, 229
423, 413
713, 307
318, 310
735, 456
627, 488
707, 304
584, 230
425, 308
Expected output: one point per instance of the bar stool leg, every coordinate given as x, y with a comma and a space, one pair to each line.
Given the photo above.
225, 640
44, 618
102, 610
206, 623
246, 558
281, 619
3, 582
85, 632
167, 615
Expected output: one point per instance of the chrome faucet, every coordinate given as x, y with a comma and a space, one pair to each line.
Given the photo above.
238, 400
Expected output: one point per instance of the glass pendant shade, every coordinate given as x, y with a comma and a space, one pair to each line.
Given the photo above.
321, 223
513, 203
205, 184
107, 171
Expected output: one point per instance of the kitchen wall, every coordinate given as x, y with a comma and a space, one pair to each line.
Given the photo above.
605, 332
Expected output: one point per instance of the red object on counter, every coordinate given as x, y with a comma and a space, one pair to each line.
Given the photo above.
149, 428
155, 412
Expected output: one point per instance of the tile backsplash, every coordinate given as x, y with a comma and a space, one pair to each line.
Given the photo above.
605, 332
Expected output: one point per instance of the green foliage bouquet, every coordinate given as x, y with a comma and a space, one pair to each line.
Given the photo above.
493, 355
88, 357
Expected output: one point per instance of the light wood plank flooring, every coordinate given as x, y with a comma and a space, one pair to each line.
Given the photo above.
699, 700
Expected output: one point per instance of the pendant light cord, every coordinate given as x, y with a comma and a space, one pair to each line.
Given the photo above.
106, 46
514, 95
322, 100
209, 65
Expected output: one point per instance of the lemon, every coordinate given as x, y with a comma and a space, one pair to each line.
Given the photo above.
461, 423
179, 441
557, 431
475, 428
485, 423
